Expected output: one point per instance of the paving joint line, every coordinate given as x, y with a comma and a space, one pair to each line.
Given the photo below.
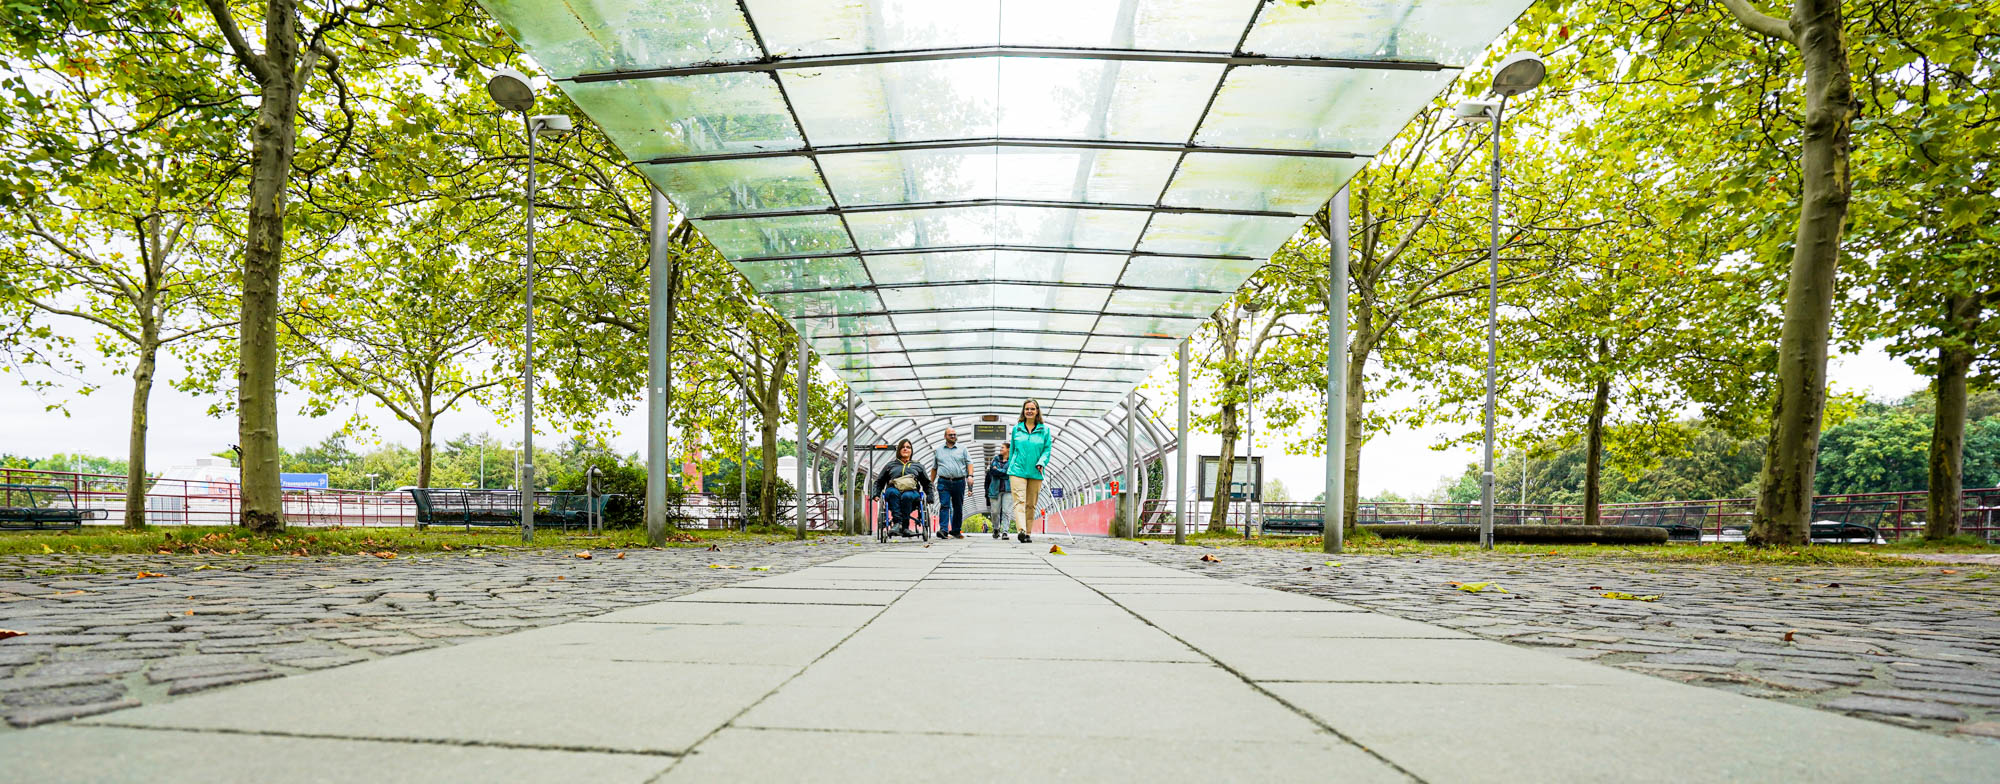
1302, 713
794, 676
378, 739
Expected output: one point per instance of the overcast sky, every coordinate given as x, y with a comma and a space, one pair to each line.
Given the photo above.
1402, 462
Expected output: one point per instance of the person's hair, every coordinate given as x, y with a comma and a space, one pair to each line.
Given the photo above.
1039, 419
906, 443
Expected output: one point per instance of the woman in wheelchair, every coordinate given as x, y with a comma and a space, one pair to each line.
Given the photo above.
908, 487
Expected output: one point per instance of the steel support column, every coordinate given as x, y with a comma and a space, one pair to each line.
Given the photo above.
1334, 520
849, 516
659, 379
1180, 452
799, 487
1131, 463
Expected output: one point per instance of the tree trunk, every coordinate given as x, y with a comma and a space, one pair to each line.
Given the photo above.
272, 146
426, 449
1225, 473
135, 455
1593, 467
1357, 402
1947, 458
1785, 486
767, 431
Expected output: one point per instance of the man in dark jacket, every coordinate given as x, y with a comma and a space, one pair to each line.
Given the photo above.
908, 487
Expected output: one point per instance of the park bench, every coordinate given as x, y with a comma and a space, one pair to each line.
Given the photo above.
469, 507
1294, 524
1682, 521
41, 507
1847, 521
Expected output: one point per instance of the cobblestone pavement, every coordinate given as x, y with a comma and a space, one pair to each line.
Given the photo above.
97, 637
1916, 646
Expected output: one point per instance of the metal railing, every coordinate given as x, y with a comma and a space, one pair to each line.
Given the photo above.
1896, 515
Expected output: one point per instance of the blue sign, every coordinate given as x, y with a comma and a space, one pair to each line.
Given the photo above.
303, 481
1055, 492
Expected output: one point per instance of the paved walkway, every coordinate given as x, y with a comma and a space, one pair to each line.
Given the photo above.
979, 660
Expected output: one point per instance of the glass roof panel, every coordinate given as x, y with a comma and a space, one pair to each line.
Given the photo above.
1262, 183
935, 297
874, 374
884, 386
707, 188
871, 361
896, 102
1030, 357
956, 339
1038, 226
1177, 272
1037, 340
850, 325
1149, 326
1222, 235
1156, 347
1067, 98
692, 115
891, 269
1306, 108
1444, 31
1046, 322
804, 273
791, 235
1118, 375
799, 28
1056, 267
856, 345
1032, 174
1175, 25
590, 36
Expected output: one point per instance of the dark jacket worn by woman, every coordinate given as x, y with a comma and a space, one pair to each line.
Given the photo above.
900, 469
996, 478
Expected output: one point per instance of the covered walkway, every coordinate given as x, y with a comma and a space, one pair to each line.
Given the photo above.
980, 661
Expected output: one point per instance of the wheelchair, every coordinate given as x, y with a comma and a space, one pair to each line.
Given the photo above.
885, 521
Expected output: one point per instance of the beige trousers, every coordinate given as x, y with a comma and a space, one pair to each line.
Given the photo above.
1026, 492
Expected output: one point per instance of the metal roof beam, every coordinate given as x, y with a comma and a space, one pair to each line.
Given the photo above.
775, 64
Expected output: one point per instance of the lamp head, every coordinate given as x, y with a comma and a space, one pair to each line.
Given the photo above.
511, 90
551, 124
1476, 111
1519, 73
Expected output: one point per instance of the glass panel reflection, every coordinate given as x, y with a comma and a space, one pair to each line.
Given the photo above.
708, 188
593, 36
1261, 183
1305, 108
1444, 31
794, 235
1221, 235
804, 273
690, 115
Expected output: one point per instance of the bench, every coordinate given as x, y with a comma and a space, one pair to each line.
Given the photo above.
1682, 521
41, 508
1294, 524
1847, 521
469, 507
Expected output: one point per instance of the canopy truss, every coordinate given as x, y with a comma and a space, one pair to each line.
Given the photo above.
965, 203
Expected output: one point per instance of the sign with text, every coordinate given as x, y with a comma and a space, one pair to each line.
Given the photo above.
1055, 492
303, 481
989, 432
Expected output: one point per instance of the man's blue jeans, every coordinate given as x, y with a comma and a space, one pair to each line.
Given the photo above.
951, 506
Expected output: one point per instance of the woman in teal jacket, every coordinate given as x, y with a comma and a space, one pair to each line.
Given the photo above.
1029, 441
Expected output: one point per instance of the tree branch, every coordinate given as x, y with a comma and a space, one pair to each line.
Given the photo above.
1759, 22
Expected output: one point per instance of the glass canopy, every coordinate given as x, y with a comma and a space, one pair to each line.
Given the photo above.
969, 202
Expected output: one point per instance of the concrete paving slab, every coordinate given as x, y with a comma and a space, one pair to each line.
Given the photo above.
965, 638
60, 755
1233, 601
1196, 626
1469, 660
705, 643
1658, 731
790, 596
1038, 699
739, 614
473, 693
885, 758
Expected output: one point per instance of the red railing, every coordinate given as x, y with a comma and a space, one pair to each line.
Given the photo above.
1896, 515
193, 502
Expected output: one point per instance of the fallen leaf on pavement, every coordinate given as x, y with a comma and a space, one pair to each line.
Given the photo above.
144, 575
1309, 568
6, 633
1332, 563
204, 566
383, 554
1947, 571
1791, 636
1211, 559
1597, 587
190, 612
45, 548
445, 546
560, 577
1632, 597
585, 555
760, 568
620, 555
1480, 587
711, 548
1056, 549
1833, 585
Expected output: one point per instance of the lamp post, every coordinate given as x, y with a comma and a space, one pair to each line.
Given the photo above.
1250, 424
1517, 74
512, 91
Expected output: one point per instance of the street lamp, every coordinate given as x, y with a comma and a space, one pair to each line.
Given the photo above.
371, 482
1517, 74
512, 91
1250, 424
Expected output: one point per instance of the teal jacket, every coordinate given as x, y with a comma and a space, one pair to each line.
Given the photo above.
1029, 449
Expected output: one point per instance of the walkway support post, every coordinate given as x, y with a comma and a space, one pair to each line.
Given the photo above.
799, 489
1131, 470
659, 386
1492, 337
848, 516
1180, 453
1334, 531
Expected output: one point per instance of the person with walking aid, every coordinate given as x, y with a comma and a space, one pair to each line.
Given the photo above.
949, 467
997, 500
1029, 440
904, 486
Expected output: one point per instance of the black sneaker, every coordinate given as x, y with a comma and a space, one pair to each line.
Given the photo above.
1023, 536
996, 534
